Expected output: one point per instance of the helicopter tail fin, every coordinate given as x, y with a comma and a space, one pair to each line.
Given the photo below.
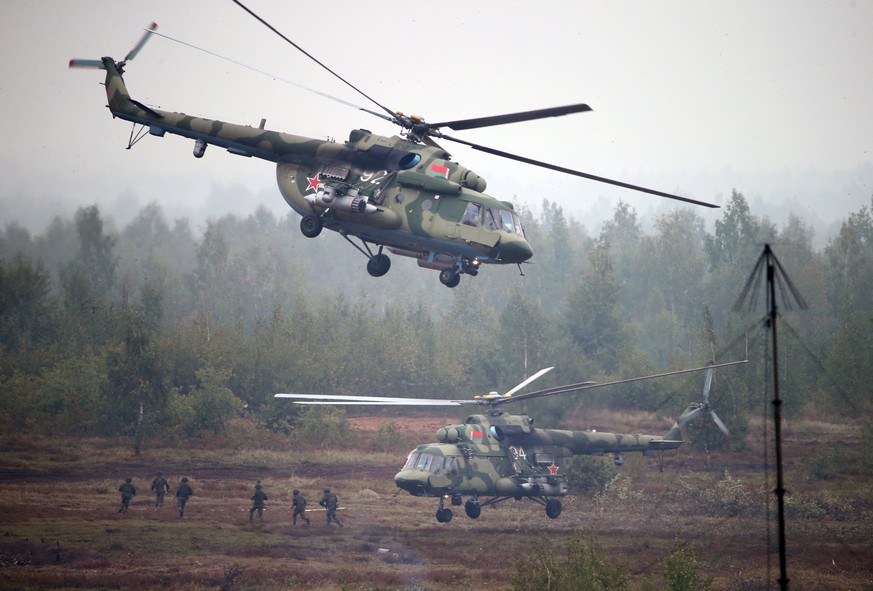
691, 411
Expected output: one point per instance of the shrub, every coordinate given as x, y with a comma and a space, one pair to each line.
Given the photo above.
322, 424
682, 571
583, 566
590, 474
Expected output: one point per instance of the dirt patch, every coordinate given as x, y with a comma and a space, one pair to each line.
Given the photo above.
62, 529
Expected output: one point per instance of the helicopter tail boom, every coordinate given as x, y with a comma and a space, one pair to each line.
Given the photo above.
244, 140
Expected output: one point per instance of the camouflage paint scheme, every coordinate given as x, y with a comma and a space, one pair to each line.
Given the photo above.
504, 456
389, 192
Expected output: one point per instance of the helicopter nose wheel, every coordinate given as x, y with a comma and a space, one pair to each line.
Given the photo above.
473, 509
378, 265
311, 226
444, 515
449, 278
553, 508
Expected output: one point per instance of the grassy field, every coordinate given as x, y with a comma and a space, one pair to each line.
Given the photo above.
61, 528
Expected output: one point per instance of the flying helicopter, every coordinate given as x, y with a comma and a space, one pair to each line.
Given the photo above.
401, 193
494, 456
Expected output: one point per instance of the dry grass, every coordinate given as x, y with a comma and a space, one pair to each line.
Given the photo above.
61, 529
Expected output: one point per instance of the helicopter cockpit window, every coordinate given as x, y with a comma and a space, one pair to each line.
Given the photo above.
492, 220
519, 229
452, 467
472, 215
411, 461
424, 462
508, 222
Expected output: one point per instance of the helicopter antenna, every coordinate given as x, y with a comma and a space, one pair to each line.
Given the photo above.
310, 56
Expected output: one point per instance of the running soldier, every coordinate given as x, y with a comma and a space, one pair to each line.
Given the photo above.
298, 503
161, 487
330, 502
258, 503
183, 493
127, 492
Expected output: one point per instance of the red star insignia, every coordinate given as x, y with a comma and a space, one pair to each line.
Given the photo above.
553, 469
313, 183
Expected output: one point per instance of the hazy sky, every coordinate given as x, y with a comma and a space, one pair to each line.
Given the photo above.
772, 98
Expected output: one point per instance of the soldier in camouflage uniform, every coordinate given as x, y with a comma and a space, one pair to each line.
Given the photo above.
127, 492
183, 493
161, 488
330, 502
258, 503
298, 504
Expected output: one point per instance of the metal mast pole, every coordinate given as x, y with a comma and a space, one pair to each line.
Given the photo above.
777, 415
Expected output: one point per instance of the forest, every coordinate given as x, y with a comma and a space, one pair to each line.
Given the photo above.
158, 329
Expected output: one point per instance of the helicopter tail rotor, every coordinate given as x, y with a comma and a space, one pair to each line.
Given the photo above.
99, 65
706, 406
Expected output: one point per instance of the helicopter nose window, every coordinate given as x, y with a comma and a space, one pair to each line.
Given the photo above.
519, 229
411, 461
508, 222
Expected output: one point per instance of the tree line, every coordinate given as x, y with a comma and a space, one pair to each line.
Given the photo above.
158, 327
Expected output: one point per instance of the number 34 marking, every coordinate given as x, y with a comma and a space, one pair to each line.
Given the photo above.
517, 452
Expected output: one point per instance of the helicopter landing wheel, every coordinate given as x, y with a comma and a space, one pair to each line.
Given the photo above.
444, 515
473, 509
311, 225
378, 265
449, 278
553, 508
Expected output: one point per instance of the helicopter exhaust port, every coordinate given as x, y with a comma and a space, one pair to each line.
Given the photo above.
350, 201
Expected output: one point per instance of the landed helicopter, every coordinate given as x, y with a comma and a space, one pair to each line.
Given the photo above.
503, 456
403, 194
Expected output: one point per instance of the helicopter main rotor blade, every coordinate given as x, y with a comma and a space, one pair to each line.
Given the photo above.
369, 400
591, 385
462, 124
570, 171
273, 76
528, 381
310, 56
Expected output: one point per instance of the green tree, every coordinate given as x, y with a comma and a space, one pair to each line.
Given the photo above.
593, 315
27, 312
213, 403
134, 392
96, 255
850, 277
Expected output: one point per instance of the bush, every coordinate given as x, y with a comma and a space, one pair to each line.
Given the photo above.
682, 571
590, 474
584, 566
322, 424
